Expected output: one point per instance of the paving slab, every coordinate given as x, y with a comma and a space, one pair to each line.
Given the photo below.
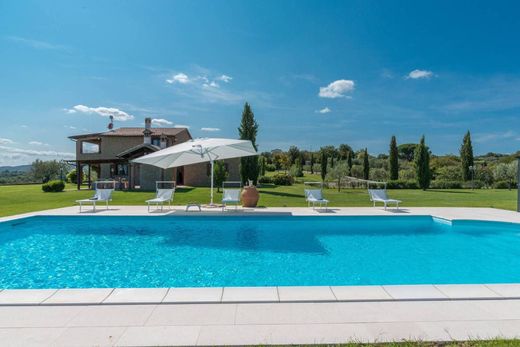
25, 296
79, 296
89, 336
200, 295
192, 314
37, 316
136, 295
506, 290
250, 294
360, 293
160, 336
112, 315
317, 293
414, 292
29, 336
467, 291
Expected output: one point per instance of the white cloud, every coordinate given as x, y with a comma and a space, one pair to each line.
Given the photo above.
324, 110
70, 127
35, 43
182, 126
30, 152
102, 111
161, 122
37, 143
4, 141
337, 89
210, 129
495, 136
225, 78
179, 78
211, 84
418, 74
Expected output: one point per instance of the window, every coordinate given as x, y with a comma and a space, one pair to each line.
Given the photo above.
122, 169
156, 141
89, 147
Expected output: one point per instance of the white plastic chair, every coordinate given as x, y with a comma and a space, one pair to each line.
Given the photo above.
162, 196
315, 196
101, 195
379, 195
230, 196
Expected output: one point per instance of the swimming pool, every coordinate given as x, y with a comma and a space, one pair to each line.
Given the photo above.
201, 251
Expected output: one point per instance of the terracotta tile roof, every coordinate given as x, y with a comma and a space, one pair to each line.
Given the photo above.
132, 132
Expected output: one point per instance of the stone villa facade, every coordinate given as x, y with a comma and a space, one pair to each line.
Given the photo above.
109, 154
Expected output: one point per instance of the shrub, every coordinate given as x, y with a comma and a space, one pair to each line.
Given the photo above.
265, 179
270, 167
53, 186
282, 179
475, 184
402, 184
296, 171
445, 184
503, 185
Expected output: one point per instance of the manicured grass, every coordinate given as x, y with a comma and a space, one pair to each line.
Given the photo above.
28, 198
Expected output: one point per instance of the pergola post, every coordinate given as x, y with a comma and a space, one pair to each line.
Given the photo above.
89, 178
78, 174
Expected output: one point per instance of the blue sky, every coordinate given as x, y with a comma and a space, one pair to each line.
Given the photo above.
315, 72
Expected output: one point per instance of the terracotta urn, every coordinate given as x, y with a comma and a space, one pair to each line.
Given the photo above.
250, 196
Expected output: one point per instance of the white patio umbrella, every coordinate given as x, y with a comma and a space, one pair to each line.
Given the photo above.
199, 151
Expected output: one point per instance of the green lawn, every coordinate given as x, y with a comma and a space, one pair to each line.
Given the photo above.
28, 198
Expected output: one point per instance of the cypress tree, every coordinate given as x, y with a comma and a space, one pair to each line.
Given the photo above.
323, 165
249, 168
312, 163
422, 165
366, 166
393, 160
349, 162
466, 156
331, 161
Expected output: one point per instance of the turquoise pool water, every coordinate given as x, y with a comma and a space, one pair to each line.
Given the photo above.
82, 252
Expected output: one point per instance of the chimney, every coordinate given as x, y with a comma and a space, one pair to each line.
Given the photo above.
147, 131
164, 141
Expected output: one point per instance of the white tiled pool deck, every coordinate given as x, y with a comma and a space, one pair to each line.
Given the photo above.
262, 315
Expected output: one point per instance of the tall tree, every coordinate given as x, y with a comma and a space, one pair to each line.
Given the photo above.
338, 173
294, 154
366, 165
312, 163
422, 165
220, 173
349, 162
323, 165
393, 159
466, 157
343, 151
249, 168
263, 163
332, 161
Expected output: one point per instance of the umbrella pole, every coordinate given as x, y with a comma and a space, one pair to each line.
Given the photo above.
211, 203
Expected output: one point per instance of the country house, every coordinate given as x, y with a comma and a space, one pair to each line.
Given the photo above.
109, 155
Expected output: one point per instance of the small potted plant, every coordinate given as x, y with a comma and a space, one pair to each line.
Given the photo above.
250, 195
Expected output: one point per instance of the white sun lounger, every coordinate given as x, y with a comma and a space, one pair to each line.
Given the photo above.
162, 196
230, 196
101, 195
379, 195
315, 196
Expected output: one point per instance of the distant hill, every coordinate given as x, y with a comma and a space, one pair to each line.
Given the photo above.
22, 168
